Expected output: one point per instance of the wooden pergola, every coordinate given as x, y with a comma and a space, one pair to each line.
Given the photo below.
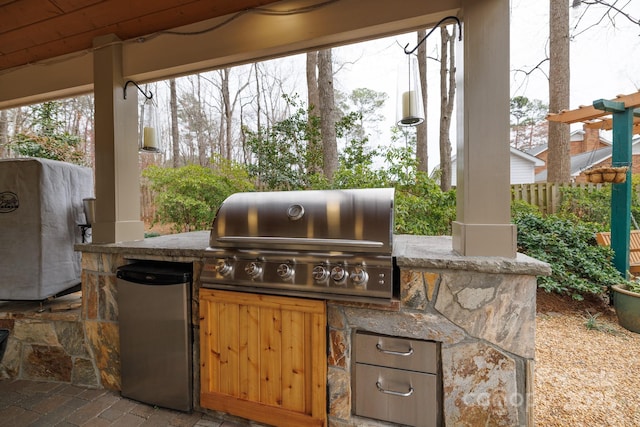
622, 116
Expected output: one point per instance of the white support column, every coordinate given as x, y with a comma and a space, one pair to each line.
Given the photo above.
483, 225
116, 144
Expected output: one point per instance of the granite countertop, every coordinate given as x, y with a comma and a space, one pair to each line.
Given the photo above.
192, 244
429, 252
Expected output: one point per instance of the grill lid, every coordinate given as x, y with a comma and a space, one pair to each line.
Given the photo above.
355, 220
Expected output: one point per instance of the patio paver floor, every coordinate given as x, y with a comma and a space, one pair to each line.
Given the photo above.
47, 404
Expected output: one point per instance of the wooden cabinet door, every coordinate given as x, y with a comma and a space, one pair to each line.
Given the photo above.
263, 357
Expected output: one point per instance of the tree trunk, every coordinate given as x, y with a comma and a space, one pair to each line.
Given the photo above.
312, 82
422, 155
175, 132
227, 114
313, 93
559, 161
447, 93
4, 134
200, 138
327, 114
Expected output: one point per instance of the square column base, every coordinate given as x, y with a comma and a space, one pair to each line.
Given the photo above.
485, 239
114, 232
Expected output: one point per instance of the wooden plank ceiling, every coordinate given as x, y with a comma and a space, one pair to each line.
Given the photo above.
36, 30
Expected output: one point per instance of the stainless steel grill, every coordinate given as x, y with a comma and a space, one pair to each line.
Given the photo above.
334, 244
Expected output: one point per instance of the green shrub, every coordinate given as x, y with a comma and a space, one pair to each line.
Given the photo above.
423, 208
588, 205
594, 205
189, 197
579, 266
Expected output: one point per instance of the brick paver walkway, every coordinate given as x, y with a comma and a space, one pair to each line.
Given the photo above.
46, 404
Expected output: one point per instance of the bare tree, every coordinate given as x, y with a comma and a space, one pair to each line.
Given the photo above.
312, 80
313, 94
327, 114
4, 134
559, 160
422, 155
175, 131
447, 94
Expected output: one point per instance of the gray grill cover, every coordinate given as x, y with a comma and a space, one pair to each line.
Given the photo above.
359, 220
40, 209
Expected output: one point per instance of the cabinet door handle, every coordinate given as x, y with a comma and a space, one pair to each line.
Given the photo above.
395, 353
394, 393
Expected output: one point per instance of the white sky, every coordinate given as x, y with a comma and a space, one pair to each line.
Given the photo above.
605, 62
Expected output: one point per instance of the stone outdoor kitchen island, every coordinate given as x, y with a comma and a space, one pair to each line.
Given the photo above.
479, 310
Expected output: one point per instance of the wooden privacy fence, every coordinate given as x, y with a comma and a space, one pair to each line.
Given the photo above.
546, 196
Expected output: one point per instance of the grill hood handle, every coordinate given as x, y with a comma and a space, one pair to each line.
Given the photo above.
300, 241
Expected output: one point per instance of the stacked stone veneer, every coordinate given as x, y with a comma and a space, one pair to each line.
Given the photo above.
100, 314
482, 311
47, 346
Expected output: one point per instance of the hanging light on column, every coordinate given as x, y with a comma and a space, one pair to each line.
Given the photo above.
410, 107
149, 126
410, 104
148, 140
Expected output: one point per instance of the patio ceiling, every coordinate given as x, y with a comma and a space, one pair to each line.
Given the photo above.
37, 30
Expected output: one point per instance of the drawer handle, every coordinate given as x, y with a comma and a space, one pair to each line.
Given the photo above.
394, 393
395, 353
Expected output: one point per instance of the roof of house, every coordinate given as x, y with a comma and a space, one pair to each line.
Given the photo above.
576, 135
519, 153
527, 156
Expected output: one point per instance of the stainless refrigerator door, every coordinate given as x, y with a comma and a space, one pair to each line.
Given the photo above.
155, 344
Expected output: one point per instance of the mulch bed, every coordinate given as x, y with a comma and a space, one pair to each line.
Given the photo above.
587, 366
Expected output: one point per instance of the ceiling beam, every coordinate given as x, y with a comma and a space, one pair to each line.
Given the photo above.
250, 37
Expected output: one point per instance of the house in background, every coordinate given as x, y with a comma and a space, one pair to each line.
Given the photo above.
588, 150
522, 169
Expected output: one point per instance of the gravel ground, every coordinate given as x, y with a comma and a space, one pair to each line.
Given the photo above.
587, 367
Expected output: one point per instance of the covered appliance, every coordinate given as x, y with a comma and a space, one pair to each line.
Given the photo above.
40, 209
333, 244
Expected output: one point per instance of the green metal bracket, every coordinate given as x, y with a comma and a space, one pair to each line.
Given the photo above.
620, 193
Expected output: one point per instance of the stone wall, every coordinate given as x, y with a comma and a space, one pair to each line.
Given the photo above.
79, 346
45, 344
485, 323
100, 315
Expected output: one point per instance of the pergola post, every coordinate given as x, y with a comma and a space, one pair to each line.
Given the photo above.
620, 192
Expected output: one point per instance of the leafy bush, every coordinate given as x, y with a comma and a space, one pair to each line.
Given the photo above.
594, 205
189, 197
579, 266
423, 208
588, 205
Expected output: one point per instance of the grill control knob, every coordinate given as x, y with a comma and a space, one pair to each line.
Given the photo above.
359, 276
338, 274
253, 269
319, 273
223, 267
285, 271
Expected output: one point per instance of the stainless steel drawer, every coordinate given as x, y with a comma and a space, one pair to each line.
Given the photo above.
394, 352
396, 395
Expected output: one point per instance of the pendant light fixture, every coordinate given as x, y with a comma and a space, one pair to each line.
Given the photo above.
147, 136
410, 105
